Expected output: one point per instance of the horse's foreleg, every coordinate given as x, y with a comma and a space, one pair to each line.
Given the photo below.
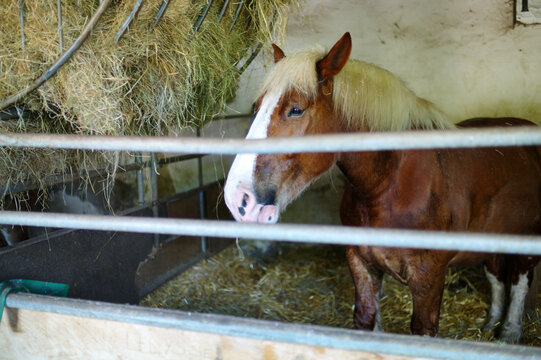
512, 326
367, 282
426, 285
494, 272
520, 275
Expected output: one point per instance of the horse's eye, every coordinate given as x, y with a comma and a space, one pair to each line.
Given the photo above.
295, 111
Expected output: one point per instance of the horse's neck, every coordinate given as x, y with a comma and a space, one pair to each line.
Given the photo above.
370, 173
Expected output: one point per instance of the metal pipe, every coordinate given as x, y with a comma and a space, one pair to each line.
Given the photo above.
433, 139
222, 11
202, 17
60, 32
140, 180
21, 24
62, 179
128, 20
160, 12
323, 234
253, 55
15, 113
61, 61
302, 334
237, 13
231, 116
154, 193
202, 197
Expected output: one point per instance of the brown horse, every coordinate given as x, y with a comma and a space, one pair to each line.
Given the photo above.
481, 190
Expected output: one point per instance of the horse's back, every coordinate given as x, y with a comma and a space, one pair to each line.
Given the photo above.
494, 122
507, 179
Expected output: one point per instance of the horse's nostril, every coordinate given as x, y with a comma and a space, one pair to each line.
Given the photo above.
245, 200
241, 210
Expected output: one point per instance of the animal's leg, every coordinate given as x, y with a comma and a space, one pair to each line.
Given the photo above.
426, 285
367, 288
512, 326
520, 276
493, 271
379, 325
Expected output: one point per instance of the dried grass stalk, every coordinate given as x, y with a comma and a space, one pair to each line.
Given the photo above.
154, 81
312, 284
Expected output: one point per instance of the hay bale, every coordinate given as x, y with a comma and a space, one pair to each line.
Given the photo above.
154, 81
312, 285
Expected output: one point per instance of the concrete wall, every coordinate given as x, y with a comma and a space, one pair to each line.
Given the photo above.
465, 56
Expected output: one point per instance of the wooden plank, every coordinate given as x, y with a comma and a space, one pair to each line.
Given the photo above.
38, 326
28, 334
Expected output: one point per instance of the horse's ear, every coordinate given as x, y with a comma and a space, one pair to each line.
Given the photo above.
335, 60
278, 53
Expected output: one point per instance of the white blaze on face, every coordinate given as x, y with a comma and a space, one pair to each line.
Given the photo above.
239, 190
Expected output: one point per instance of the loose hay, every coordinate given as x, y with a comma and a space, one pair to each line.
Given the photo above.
154, 81
312, 285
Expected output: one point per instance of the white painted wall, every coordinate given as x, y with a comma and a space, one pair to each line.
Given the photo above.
465, 56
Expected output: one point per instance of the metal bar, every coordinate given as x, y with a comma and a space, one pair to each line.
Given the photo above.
91, 174
21, 24
61, 61
128, 20
231, 116
237, 14
14, 113
251, 58
60, 32
222, 11
310, 335
154, 193
323, 234
201, 18
140, 180
160, 12
202, 197
254, 53
434, 139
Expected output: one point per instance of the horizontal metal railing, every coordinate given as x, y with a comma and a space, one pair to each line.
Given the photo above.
71, 177
300, 233
433, 139
311, 335
321, 234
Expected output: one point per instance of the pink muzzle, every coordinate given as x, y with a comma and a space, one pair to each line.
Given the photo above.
242, 203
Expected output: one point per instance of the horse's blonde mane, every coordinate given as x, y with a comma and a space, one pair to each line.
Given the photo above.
365, 95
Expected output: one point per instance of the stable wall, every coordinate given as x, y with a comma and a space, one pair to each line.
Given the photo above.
465, 56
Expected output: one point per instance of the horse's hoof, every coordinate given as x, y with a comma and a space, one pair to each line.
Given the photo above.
511, 334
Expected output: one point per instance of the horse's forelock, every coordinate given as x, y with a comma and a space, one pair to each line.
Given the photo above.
296, 72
